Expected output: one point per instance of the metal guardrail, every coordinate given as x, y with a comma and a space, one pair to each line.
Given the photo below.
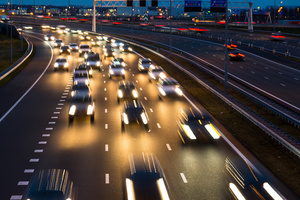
19, 61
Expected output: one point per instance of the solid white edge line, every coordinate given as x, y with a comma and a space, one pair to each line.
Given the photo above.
183, 177
169, 147
16, 197
23, 182
28, 171
20, 99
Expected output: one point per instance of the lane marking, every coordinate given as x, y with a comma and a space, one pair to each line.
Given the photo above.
266, 77
105, 110
145, 98
46, 135
42, 142
141, 89
62, 100
106, 147
297, 79
151, 110
16, 197
137, 81
60, 104
51, 122
158, 125
282, 84
106, 178
252, 72
132, 74
56, 113
66, 90
28, 171
58, 108
54, 117
106, 126
34, 160
20, 99
23, 182
279, 72
65, 93
169, 147
104, 81
63, 97
105, 98
49, 129
104, 89
183, 177
38, 151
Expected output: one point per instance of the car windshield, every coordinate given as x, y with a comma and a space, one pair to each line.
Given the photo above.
73, 45
118, 65
119, 59
58, 40
80, 87
170, 82
80, 75
84, 46
64, 47
61, 60
81, 99
146, 62
93, 58
127, 87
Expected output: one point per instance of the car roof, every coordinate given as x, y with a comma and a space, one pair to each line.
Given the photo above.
72, 44
133, 104
168, 81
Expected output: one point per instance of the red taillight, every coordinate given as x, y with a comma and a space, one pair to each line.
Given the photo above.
232, 55
182, 29
117, 22
233, 45
84, 20
159, 25
241, 55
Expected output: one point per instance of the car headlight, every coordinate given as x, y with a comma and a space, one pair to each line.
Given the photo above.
90, 72
123, 64
134, 93
76, 47
69, 50
212, 131
61, 50
72, 110
121, 49
56, 65
55, 44
75, 82
80, 51
120, 93
112, 40
125, 118
72, 93
162, 75
98, 63
86, 82
188, 131
114, 44
130, 49
52, 38
105, 54
151, 66
123, 71
46, 38
90, 110
152, 75
66, 64
111, 71
178, 91
162, 92
141, 66
85, 56
81, 37
114, 53
93, 43
144, 118
88, 37
88, 63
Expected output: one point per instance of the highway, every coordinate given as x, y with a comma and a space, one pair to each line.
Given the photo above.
36, 134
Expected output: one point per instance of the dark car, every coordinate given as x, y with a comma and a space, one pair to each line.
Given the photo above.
61, 63
81, 105
87, 68
109, 53
231, 46
84, 37
134, 113
96, 42
49, 37
236, 55
120, 60
277, 37
81, 89
125, 48
65, 49
127, 90
51, 184
144, 64
194, 126
84, 48
93, 60
146, 179
106, 46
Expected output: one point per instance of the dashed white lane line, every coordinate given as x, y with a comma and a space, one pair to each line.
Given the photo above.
266, 77
151, 110
51, 122
279, 72
103, 75
241, 67
183, 177
63, 97
105, 98
158, 125
104, 81
132, 74
214, 55
105, 110
23, 182
56, 113
297, 79
28, 171
58, 108
254, 63
60, 104
282, 84
38, 151
42, 142
46, 135
54, 117
141, 89
16, 197
34, 160
106, 147
104, 89
252, 72
106, 126
62, 100
65, 93
266, 67
145, 98
106, 178
66, 90
137, 81
49, 129
69, 85
169, 147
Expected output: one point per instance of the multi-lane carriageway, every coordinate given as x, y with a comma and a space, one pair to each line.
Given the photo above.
36, 134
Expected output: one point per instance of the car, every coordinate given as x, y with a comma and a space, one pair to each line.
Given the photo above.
144, 64
61, 29
73, 31
79, 32
83, 89
156, 72
85, 67
193, 125
83, 48
81, 105
27, 27
74, 47
81, 77
50, 184
277, 37
116, 69
134, 112
87, 54
58, 43
109, 53
125, 48
44, 26
119, 60
236, 55
49, 37
84, 37
106, 46
108, 39
117, 44
100, 37
127, 91
231, 46
168, 87
145, 178
65, 49
61, 63
93, 61
96, 42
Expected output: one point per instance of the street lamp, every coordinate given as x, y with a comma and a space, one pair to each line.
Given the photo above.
11, 51
274, 15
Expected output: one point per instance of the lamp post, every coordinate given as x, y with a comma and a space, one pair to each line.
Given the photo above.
11, 51
132, 21
226, 43
21, 26
170, 28
274, 15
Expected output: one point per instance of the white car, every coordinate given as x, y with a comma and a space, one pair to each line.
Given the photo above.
168, 87
156, 72
45, 26
81, 77
144, 64
49, 37
116, 69
61, 63
27, 27
84, 48
74, 47
58, 43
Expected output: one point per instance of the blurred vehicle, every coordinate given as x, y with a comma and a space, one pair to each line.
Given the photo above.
156, 72
61, 29
44, 26
134, 113
117, 44
87, 54
81, 77
85, 67
81, 105
231, 46
49, 37
94, 61
96, 42
74, 47
27, 27
58, 43
236, 55
168, 87
84, 37
61, 63
127, 91
109, 53
119, 60
65, 49
125, 48
106, 46
79, 32
83, 48
19, 29
73, 31
108, 39
116, 69
146, 179
50, 184
83, 89
144, 64
277, 36
100, 37
194, 126
5, 18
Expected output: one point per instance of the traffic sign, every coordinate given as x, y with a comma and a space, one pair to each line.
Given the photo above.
192, 6
217, 5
